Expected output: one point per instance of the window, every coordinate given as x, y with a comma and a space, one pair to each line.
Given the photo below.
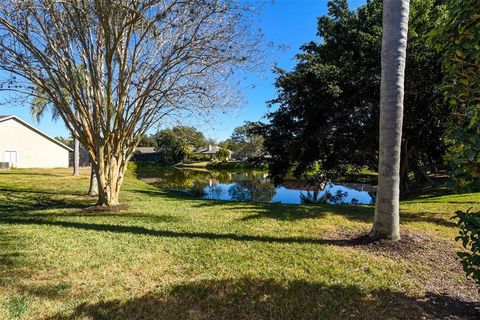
11, 158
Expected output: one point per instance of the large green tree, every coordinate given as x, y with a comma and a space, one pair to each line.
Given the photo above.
328, 105
177, 143
457, 39
246, 141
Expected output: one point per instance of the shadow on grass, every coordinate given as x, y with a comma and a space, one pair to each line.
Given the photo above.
8, 255
31, 173
125, 229
11, 259
21, 202
434, 218
45, 192
291, 212
249, 298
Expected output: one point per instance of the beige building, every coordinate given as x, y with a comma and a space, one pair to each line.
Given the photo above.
24, 146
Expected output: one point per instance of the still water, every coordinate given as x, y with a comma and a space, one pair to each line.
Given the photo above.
255, 186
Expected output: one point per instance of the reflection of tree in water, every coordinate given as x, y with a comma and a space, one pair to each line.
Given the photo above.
215, 192
327, 197
312, 197
252, 190
373, 195
249, 186
337, 198
187, 180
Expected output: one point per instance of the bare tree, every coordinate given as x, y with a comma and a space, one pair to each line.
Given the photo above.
142, 61
394, 50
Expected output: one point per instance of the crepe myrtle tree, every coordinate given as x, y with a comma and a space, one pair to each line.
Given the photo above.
143, 62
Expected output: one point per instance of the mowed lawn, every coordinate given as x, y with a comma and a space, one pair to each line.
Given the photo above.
172, 257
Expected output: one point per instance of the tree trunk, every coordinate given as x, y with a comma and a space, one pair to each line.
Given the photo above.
76, 156
394, 46
93, 189
404, 187
110, 171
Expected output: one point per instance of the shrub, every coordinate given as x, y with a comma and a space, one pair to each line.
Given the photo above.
469, 236
457, 39
223, 154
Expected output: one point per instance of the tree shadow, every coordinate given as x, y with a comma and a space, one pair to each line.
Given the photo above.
300, 212
21, 202
292, 212
11, 261
408, 217
30, 173
250, 298
127, 229
46, 192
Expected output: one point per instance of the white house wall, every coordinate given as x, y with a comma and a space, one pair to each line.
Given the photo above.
33, 149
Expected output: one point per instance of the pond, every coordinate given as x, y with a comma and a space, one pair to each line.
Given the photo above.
255, 186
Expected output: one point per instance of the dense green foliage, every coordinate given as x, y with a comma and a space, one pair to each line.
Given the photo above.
147, 141
329, 104
223, 154
178, 143
458, 40
246, 141
255, 165
469, 224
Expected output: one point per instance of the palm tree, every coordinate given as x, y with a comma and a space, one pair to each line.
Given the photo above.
394, 47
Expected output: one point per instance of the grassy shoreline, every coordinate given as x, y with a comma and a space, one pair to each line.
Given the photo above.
169, 256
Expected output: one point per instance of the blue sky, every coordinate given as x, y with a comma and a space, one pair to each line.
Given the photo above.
284, 22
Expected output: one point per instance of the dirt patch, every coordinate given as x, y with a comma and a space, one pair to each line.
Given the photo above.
105, 208
447, 292
410, 244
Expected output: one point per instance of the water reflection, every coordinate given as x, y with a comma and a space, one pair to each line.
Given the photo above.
254, 186
252, 190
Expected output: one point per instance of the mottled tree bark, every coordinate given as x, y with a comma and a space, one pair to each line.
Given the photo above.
93, 189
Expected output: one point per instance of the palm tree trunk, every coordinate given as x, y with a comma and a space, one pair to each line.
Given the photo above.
394, 50
76, 156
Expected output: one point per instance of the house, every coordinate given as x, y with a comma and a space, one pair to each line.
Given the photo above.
24, 146
147, 154
209, 151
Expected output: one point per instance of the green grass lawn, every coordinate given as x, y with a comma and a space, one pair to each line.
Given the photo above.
172, 257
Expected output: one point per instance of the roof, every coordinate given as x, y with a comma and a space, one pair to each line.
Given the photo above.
208, 150
144, 150
29, 126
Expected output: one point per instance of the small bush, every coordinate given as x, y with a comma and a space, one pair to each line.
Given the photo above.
469, 236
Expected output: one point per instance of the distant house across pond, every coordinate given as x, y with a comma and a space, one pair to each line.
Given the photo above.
147, 154
208, 150
24, 146
152, 154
